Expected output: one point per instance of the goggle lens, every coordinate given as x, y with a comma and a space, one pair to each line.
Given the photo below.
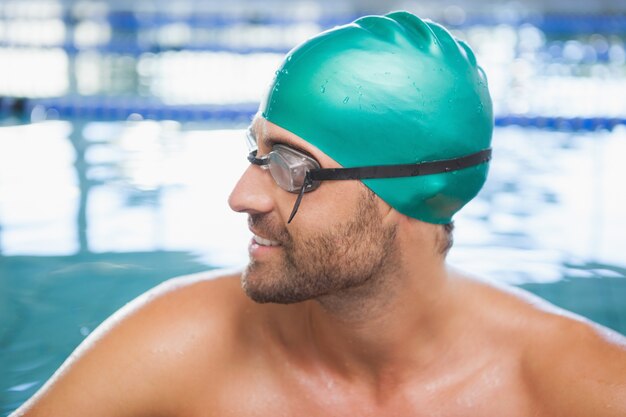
282, 173
288, 168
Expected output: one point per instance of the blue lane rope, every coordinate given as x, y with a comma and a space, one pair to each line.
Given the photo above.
135, 50
574, 124
554, 49
549, 23
121, 108
126, 24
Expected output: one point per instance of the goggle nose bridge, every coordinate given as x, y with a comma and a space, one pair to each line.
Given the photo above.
262, 162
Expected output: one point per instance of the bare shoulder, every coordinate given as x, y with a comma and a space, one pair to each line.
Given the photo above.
135, 361
577, 366
570, 366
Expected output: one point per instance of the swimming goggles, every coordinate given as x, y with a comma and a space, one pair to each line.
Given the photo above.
297, 172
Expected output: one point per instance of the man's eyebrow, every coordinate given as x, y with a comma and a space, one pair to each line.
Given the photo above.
269, 141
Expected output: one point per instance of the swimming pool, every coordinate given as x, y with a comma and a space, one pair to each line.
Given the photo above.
94, 213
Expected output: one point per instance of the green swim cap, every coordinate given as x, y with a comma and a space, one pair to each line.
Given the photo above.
386, 90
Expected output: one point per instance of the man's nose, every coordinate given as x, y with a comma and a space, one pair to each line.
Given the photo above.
253, 192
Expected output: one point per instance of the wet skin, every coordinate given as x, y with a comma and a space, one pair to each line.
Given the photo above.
414, 339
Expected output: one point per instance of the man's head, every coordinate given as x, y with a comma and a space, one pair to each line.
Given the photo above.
343, 238
387, 94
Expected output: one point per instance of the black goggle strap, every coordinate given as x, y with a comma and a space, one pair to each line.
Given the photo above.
381, 171
402, 170
308, 182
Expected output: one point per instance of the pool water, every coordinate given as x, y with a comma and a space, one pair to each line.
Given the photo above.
94, 213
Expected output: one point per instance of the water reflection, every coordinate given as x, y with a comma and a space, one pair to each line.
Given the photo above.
38, 191
551, 199
119, 187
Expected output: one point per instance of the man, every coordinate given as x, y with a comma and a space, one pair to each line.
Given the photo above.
348, 307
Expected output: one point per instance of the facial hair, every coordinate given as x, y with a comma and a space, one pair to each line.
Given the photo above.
315, 265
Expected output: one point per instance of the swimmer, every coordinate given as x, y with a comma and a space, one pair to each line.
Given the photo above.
371, 137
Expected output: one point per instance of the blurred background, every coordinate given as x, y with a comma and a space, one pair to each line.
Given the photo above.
121, 135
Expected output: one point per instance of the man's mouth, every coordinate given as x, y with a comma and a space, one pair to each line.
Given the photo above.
264, 242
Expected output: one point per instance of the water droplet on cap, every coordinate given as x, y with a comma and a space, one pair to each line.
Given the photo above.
323, 86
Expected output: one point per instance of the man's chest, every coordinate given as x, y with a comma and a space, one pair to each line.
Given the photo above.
265, 394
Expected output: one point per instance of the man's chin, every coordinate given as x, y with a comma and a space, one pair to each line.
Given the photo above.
254, 283
264, 287
262, 297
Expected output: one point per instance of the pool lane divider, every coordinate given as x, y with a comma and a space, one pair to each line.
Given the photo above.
127, 24
561, 123
122, 20
119, 109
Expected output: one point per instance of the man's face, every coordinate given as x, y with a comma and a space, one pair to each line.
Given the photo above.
338, 240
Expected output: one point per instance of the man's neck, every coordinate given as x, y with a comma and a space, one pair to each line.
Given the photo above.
389, 326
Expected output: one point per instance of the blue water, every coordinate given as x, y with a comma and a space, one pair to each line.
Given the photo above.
92, 214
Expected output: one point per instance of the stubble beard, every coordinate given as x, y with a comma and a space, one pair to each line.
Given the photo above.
355, 255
